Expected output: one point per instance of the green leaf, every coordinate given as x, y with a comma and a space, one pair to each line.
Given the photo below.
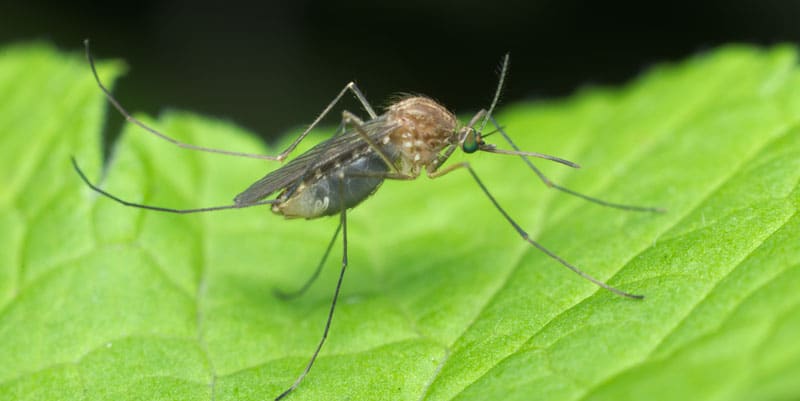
442, 300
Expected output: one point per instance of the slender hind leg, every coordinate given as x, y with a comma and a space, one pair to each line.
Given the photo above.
351, 86
100, 191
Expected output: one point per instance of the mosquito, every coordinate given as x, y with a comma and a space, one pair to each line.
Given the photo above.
339, 173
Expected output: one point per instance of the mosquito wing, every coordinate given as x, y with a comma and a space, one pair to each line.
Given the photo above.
315, 158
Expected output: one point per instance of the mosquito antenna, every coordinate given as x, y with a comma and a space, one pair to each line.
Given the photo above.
503, 72
490, 133
158, 208
551, 184
128, 117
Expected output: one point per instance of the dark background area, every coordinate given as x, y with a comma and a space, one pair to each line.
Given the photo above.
272, 66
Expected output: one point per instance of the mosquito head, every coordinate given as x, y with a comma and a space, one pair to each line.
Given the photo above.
470, 138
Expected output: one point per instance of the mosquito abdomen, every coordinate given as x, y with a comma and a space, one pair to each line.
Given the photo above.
324, 193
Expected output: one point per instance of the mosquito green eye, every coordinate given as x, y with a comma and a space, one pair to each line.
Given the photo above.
470, 144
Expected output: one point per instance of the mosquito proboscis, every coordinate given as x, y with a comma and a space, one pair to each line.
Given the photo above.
337, 174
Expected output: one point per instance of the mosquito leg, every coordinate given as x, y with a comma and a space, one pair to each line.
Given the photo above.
310, 280
441, 158
350, 119
343, 225
362, 99
551, 184
253, 192
128, 117
525, 236
351, 86
100, 191
497, 92
280, 157
342, 128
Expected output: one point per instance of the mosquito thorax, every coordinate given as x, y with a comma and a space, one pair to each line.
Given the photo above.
424, 128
